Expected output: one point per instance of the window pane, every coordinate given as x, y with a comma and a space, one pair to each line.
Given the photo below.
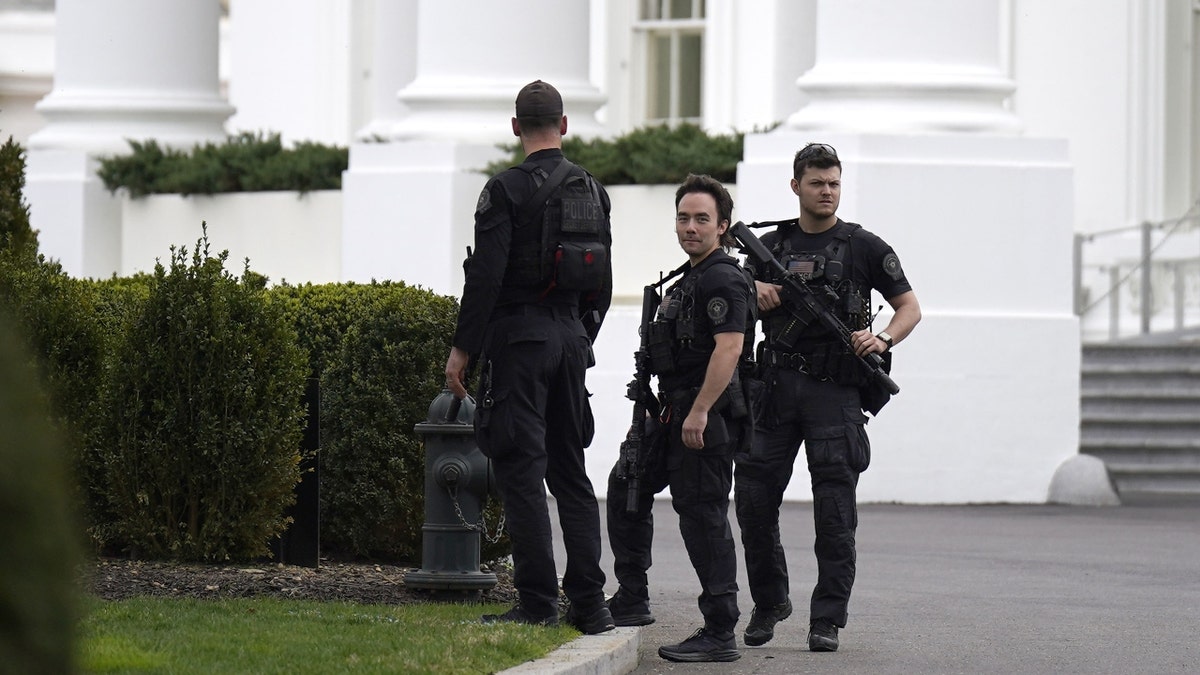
651, 10
681, 9
690, 56
658, 85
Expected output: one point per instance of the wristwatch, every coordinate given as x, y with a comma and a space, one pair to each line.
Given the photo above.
886, 338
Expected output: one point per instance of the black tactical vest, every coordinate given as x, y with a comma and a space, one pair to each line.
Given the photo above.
560, 246
676, 326
828, 272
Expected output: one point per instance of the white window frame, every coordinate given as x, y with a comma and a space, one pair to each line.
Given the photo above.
646, 30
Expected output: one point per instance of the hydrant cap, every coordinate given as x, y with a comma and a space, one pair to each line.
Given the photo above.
448, 409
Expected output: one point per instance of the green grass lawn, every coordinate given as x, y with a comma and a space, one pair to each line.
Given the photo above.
267, 635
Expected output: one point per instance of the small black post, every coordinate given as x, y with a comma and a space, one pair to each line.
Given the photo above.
300, 544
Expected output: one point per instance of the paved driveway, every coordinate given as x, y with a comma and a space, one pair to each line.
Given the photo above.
971, 589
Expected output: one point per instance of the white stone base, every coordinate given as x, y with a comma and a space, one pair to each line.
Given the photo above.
286, 235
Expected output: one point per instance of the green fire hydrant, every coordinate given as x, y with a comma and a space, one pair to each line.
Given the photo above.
457, 482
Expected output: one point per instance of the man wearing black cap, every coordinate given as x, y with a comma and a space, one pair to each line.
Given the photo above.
536, 292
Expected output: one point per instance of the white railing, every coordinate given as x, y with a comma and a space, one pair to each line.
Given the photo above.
1157, 289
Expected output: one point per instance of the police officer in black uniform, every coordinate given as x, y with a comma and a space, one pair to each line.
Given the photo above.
536, 291
815, 396
696, 345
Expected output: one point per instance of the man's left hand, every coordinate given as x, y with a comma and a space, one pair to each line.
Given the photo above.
865, 342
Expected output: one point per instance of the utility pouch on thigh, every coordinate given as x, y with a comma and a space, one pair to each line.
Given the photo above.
757, 393
716, 434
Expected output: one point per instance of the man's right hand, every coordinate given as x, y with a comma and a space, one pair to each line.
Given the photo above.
768, 295
456, 372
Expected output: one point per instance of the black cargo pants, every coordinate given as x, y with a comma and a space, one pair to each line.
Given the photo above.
826, 418
533, 420
700, 482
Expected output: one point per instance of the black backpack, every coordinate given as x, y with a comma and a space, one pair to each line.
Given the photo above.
571, 254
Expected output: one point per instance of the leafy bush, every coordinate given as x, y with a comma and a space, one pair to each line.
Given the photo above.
15, 231
380, 349
204, 416
248, 162
648, 156
39, 537
62, 329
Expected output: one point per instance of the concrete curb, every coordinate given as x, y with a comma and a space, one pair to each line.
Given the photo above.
611, 653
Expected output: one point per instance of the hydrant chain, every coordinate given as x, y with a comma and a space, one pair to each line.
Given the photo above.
481, 527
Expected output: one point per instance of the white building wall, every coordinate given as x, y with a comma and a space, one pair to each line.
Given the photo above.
1112, 78
294, 68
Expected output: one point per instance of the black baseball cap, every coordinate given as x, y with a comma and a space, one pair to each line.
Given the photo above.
539, 99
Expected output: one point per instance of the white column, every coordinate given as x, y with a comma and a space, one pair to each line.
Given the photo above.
393, 65
133, 69
124, 69
408, 205
470, 67
292, 68
917, 65
982, 221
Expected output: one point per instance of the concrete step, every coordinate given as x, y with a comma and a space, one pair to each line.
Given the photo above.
1140, 414
1109, 410
1127, 456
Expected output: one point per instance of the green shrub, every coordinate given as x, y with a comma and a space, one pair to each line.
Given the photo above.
380, 350
376, 386
248, 162
39, 537
648, 156
61, 325
203, 416
15, 231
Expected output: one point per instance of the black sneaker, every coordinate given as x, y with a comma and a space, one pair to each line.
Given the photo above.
518, 615
702, 646
591, 622
822, 636
761, 628
629, 611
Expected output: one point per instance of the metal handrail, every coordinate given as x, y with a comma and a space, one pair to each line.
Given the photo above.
1144, 265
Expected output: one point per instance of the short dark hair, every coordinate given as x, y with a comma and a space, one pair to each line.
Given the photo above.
711, 186
816, 155
539, 123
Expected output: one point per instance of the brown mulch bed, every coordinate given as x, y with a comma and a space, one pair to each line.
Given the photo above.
368, 583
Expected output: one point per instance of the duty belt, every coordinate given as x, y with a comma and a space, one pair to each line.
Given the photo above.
552, 311
789, 360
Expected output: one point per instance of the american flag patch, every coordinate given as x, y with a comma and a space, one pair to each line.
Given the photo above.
803, 268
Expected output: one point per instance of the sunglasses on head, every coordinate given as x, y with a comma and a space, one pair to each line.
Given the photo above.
816, 150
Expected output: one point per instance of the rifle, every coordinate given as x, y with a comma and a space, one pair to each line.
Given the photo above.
644, 401
799, 297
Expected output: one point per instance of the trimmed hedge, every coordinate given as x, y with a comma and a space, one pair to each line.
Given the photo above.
61, 325
248, 162
255, 162
648, 156
15, 231
380, 350
181, 395
204, 416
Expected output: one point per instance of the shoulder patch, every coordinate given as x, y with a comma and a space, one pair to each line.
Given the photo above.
485, 199
891, 265
717, 309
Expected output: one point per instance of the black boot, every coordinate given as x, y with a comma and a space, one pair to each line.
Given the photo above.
761, 628
628, 610
592, 621
822, 636
518, 615
702, 646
